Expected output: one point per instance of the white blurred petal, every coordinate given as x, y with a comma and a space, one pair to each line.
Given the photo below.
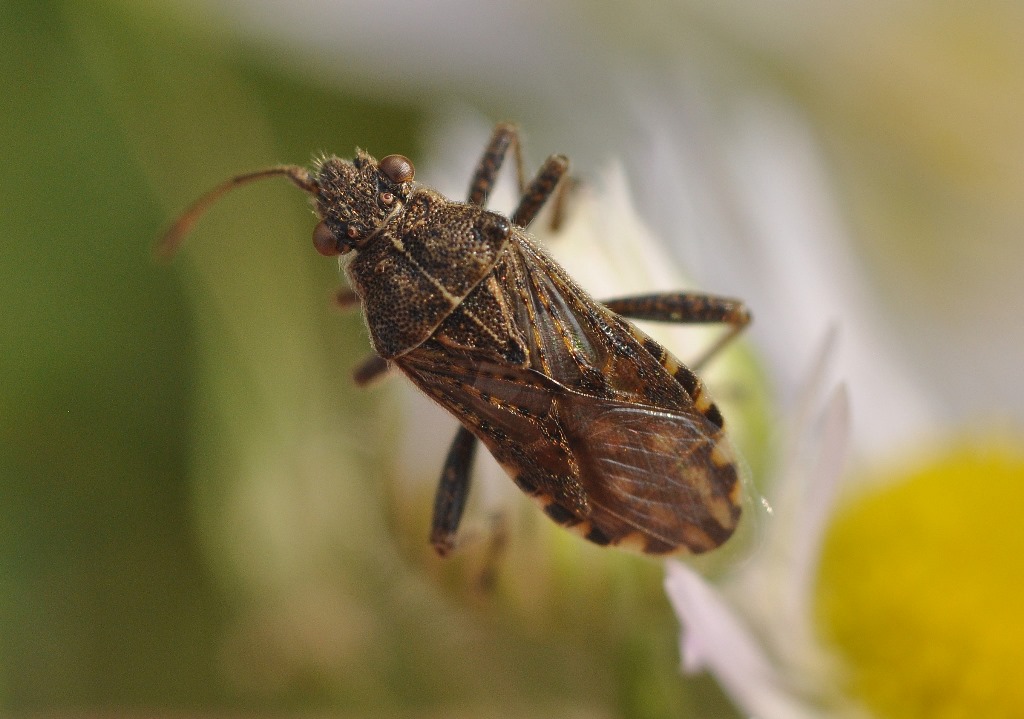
754, 631
714, 639
759, 210
822, 486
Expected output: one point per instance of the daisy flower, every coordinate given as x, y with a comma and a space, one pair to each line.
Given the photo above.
889, 598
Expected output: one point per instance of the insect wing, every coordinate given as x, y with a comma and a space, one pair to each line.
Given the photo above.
655, 479
653, 460
511, 409
611, 470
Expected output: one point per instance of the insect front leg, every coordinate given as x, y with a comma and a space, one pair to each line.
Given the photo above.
533, 196
541, 188
374, 366
504, 138
452, 491
687, 308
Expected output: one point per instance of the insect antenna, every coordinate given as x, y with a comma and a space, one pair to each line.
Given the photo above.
168, 245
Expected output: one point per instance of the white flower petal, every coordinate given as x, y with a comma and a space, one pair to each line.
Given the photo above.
751, 212
813, 458
715, 639
822, 486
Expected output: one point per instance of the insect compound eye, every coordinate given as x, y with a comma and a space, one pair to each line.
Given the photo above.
397, 168
324, 240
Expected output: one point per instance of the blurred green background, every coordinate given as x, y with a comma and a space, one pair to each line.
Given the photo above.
199, 513
111, 123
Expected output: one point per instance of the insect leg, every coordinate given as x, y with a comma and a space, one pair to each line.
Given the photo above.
562, 191
454, 486
504, 137
496, 547
540, 189
373, 366
345, 298
452, 491
687, 308
369, 369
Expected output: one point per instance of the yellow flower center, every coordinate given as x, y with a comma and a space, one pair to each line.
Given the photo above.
921, 590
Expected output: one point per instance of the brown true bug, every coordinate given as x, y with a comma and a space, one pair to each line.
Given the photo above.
615, 437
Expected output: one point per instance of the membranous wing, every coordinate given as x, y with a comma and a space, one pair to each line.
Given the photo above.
656, 479
591, 417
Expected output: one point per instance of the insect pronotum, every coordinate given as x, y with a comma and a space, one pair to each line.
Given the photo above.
612, 435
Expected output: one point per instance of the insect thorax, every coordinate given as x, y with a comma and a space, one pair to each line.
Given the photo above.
421, 266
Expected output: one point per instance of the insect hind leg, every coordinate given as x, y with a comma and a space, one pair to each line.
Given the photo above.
687, 308
452, 491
